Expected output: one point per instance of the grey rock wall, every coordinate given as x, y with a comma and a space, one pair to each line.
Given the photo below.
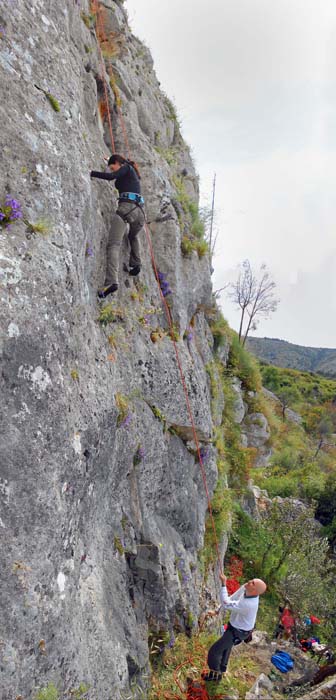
98, 545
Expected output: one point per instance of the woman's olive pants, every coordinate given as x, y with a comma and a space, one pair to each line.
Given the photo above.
127, 213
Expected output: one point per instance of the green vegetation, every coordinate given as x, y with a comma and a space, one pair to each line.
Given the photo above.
157, 641
88, 19
159, 415
304, 454
308, 387
221, 332
169, 154
243, 365
122, 404
117, 544
172, 113
242, 672
110, 314
41, 226
188, 245
54, 103
80, 692
174, 333
212, 369
192, 223
221, 506
48, 693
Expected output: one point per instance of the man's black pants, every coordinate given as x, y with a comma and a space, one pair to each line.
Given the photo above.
218, 655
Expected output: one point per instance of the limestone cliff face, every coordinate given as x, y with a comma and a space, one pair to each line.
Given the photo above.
102, 508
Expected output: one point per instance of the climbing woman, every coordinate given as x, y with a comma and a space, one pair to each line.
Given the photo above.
130, 211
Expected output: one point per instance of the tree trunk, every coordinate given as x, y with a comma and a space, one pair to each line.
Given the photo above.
318, 448
241, 324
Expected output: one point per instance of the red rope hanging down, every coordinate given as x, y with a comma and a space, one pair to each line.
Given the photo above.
102, 34
96, 10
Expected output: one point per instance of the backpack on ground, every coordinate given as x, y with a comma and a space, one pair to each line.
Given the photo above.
282, 661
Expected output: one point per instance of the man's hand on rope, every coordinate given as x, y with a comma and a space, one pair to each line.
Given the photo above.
222, 578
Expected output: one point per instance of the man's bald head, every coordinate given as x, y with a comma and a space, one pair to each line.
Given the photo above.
255, 587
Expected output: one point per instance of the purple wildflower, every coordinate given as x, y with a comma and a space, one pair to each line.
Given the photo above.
126, 421
89, 250
10, 211
164, 284
204, 454
171, 641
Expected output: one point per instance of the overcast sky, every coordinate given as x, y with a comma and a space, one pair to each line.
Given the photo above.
254, 83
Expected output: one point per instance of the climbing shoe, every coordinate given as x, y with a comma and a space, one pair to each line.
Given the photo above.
135, 270
103, 293
211, 676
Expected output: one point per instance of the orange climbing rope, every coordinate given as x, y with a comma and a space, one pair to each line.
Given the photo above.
102, 34
95, 8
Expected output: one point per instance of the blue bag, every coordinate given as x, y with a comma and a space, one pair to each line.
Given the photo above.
282, 661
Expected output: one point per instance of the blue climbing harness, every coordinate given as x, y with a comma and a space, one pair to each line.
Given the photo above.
131, 197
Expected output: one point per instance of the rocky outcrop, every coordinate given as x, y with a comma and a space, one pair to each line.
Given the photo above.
102, 507
239, 407
256, 433
102, 502
325, 690
255, 501
262, 689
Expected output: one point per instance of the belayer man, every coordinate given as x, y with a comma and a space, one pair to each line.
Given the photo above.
244, 607
130, 211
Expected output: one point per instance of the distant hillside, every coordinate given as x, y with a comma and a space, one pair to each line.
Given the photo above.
284, 354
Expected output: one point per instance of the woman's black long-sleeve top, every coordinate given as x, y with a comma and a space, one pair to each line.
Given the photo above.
126, 179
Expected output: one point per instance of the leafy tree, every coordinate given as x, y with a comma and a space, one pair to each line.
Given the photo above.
287, 396
308, 571
286, 550
254, 294
324, 430
326, 509
270, 377
319, 421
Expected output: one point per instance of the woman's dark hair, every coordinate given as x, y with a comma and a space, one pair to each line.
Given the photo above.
116, 158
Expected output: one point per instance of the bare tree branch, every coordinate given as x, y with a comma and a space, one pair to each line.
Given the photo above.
255, 297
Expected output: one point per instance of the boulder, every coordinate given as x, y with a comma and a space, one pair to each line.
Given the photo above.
261, 690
